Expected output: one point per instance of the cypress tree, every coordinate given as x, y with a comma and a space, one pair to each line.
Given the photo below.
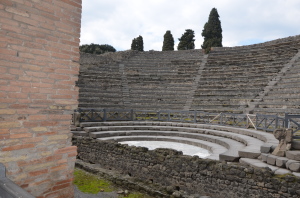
140, 43
137, 44
168, 44
187, 40
212, 32
134, 44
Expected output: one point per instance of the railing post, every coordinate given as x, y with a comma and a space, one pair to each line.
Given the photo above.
265, 127
276, 122
131, 114
256, 120
195, 116
286, 120
221, 119
158, 115
169, 117
104, 115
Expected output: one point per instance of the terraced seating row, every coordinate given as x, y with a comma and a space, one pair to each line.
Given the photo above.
173, 80
284, 96
151, 79
162, 83
225, 143
242, 73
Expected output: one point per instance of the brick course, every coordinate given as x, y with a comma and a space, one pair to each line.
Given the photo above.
39, 66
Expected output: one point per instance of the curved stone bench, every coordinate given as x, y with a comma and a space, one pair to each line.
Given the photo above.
214, 148
263, 136
252, 139
233, 147
251, 148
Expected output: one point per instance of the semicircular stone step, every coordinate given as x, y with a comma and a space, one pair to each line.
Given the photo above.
230, 155
252, 149
214, 148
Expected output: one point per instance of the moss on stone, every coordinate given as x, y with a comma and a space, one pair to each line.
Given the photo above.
89, 183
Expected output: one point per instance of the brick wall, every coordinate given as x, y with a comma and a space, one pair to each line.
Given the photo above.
39, 66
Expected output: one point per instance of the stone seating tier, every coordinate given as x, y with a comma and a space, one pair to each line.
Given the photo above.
239, 143
276, 111
249, 147
237, 71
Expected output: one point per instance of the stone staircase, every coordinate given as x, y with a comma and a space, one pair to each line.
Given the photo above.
125, 89
233, 77
189, 101
283, 95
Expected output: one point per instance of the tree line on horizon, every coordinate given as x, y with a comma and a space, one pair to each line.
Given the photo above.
212, 33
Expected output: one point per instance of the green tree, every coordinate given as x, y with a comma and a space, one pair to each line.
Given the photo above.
140, 43
134, 44
137, 44
212, 32
96, 48
187, 40
168, 44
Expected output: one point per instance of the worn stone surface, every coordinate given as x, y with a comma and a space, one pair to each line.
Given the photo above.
266, 148
271, 159
290, 162
281, 161
294, 166
285, 140
294, 155
264, 157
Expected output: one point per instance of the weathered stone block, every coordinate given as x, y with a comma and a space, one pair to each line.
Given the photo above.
294, 167
281, 161
266, 148
287, 164
264, 157
281, 171
271, 159
294, 155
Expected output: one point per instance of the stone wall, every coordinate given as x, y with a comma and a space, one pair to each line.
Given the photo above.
169, 169
39, 66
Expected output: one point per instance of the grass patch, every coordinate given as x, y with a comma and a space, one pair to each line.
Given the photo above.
89, 183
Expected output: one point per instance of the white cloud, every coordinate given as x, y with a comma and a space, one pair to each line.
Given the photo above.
117, 22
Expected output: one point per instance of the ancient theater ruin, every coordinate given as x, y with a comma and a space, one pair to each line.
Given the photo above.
228, 102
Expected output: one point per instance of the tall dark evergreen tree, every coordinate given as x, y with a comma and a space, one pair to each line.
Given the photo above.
137, 44
168, 44
134, 44
187, 40
212, 32
96, 48
140, 43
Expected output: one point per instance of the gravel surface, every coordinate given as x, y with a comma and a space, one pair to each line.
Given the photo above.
79, 194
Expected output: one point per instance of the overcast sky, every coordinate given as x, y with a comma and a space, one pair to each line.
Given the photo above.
244, 22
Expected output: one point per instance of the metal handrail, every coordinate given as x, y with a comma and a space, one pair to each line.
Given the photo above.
258, 121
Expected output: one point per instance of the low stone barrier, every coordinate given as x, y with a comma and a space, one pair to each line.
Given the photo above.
169, 169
